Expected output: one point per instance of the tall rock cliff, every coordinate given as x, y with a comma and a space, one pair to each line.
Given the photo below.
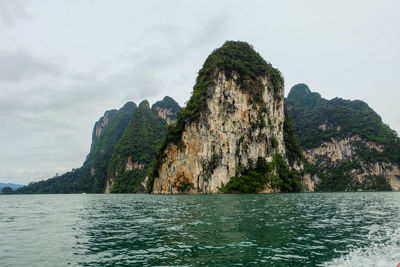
230, 137
345, 143
135, 150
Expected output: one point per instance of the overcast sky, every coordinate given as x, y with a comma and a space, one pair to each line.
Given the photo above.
63, 63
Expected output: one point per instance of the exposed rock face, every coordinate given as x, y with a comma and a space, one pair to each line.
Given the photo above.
224, 138
339, 149
133, 165
310, 182
330, 155
166, 109
101, 124
109, 185
165, 114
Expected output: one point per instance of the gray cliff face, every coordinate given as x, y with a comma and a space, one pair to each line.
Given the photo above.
232, 132
362, 174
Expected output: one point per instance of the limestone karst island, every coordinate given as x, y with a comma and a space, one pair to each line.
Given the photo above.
237, 134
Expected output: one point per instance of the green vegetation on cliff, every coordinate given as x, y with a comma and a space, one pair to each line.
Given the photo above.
255, 177
102, 148
139, 142
129, 181
293, 150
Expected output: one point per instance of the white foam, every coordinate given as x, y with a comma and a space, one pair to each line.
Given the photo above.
383, 250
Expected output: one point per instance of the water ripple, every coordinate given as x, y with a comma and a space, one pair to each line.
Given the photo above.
334, 229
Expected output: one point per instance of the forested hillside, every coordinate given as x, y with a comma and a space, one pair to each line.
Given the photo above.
346, 144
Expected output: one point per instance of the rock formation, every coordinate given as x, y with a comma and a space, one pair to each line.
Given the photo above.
234, 118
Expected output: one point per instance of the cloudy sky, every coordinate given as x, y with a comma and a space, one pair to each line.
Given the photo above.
63, 63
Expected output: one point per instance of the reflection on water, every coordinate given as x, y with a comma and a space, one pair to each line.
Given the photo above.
340, 229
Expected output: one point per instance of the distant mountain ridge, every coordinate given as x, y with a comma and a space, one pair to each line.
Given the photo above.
346, 145
11, 185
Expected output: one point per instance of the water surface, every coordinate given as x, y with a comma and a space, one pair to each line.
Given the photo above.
322, 229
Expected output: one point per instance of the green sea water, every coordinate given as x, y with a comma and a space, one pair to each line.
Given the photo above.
315, 229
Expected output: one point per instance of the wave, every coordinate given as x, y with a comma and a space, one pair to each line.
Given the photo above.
382, 250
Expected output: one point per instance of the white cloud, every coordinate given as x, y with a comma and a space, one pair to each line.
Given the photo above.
18, 65
12, 11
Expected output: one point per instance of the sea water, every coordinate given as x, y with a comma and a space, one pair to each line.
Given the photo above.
307, 229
